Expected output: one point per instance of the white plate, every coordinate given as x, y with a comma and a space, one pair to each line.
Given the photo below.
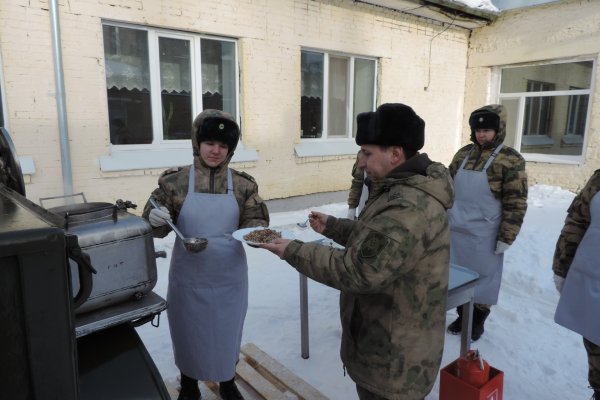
240, 233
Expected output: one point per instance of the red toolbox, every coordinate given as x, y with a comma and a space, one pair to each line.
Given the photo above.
454, 388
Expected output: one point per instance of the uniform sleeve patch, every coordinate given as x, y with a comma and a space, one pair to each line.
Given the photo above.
373, 245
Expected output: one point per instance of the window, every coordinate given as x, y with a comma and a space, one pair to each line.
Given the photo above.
157, 81
335, 88
547, 108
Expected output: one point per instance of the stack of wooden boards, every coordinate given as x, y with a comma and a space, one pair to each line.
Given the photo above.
260, 377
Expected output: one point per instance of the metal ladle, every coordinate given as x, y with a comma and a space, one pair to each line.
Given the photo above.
192, 244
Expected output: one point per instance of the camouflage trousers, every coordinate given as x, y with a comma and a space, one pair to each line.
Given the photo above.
364, 394
593, 353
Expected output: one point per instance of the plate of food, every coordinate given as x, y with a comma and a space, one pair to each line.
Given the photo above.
260, 234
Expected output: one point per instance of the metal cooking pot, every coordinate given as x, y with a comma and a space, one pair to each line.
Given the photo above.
121, 249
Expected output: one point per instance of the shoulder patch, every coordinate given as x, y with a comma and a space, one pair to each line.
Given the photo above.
170, 171
245, 175
373, 244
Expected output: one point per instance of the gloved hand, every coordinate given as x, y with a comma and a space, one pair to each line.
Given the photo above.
501, 247
352, 213
159, 217
558, 282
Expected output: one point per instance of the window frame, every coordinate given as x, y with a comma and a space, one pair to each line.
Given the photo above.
521, 98
329, 144
163, 153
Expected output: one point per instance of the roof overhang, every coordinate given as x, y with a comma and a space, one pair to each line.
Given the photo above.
445, 11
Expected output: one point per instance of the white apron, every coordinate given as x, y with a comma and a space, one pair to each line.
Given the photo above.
474, 222
364, 195
208, 291
579, 302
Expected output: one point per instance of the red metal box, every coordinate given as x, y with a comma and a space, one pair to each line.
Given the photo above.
454, 388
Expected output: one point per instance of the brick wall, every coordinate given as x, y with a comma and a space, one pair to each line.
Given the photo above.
421, 63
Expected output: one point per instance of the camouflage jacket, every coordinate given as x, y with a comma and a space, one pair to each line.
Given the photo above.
173, 187
506, 176
576, 223
358, 177
393, 278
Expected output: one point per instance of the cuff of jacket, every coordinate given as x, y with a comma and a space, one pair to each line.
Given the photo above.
291, 250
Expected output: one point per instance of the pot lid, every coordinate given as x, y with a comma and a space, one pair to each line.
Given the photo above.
10, 169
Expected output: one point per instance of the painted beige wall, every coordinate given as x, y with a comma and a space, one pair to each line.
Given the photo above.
555, 31
413, 54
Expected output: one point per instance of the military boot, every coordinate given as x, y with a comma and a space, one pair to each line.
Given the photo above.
229, 391
456, 327
189, 389
479, 317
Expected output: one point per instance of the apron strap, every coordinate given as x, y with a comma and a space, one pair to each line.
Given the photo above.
489, 161
493, 157
191, 180
464, 161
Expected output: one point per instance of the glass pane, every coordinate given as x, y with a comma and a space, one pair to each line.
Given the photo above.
218, 76
547, 123
127, 85
175, 88
364, 88
311, 101
338, 97
561, 77
511, 107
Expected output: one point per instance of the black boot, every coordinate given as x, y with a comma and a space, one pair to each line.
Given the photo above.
479, 316
189, 389
456, 327
229, 391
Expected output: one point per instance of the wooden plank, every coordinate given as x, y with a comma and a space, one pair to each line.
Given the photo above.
258, 382
268, 366
258, 377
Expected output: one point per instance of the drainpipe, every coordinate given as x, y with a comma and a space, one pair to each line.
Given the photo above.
61, 107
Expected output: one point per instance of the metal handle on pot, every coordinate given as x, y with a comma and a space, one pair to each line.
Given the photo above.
84, 268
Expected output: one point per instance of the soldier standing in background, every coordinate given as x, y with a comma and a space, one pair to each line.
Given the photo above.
393, 272
576, 274
208, 291
491, 199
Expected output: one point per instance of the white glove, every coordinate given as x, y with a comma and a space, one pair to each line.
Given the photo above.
501, 247
558, 282
352, 213
159, 217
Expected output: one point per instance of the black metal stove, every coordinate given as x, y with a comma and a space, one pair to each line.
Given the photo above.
75, 280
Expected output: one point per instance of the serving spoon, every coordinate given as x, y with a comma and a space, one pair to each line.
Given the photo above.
192, 244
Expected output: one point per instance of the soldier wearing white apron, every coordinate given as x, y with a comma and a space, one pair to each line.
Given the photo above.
490, 201
208, 291
576, 270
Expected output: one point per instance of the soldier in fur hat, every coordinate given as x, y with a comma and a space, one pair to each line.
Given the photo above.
393, 270
491, 199
207, 302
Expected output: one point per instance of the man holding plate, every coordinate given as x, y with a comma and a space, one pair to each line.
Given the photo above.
208, 290
393, 270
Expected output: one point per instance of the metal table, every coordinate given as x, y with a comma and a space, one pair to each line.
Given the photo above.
461, 289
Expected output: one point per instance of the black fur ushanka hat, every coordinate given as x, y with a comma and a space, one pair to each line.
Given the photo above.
393, 124
484, 119
219, 129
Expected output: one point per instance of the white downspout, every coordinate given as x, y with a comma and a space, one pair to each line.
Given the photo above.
61, 107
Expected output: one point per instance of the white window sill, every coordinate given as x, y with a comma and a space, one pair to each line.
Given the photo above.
319, 148
553, 159
536, 140
123, 160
